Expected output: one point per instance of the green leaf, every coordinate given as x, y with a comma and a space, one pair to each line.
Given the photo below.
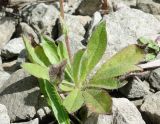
50, 49
41, 55
36, 70
98, 101
150, 56
121, 63
66, 86
76, 65
63, 54
33, 55
54, 100
106, 83
73, 101
95, 50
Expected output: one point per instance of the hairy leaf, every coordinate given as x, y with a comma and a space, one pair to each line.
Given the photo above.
74, 101
75, 65
98, 101
121, 63
50, 49
95, 50
36, 70
33, 55
63, 54
56, 104
66, 86
106, 83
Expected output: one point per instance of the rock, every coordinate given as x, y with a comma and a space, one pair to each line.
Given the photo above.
3, 77
125, 26
25, 28
35, 121
1, 62
75, 42
95, 21
130, 3
124, 112
155, 79
42, 17
135, 89
88, 7
13, 48
76, 24
20, 95
4, 118
21, 58
11, 66
150, 109
7, 26
149, 6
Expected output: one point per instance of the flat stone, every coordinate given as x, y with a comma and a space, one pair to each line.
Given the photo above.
3, 77
154, 79
149, 6
7, 26
88, 7
13, 48
35, 121
123, 112
125, 26
42, 17
135, 89
4, 118
150, 109
20, 95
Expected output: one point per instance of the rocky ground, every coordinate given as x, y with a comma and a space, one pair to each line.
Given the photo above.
138, 102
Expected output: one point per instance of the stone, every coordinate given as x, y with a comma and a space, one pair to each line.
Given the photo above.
76, 24
154, 79
125, 26
130, 3
12, 48
10, 66
4, 118
150, 109
25, 28
42, 17
88, 7
35, 121
149, 6
75, 42
123, 112
20, 94
4, 76
135, 89
95, 21
7, 26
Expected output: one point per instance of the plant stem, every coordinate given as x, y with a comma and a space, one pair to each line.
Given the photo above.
66, 34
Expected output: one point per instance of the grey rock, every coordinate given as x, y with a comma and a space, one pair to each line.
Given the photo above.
20, 95
7, 26
125, 26
76, 24
42, 17
13, 48
135, 89
130, 3
123, 112
95, 21
10, 66
3, 77
21, 58
35, 121
75, 42
25, 28
155, 79
149, 6
150, 108
4, 118
89, 7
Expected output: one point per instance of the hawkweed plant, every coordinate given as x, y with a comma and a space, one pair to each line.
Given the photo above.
58, 73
